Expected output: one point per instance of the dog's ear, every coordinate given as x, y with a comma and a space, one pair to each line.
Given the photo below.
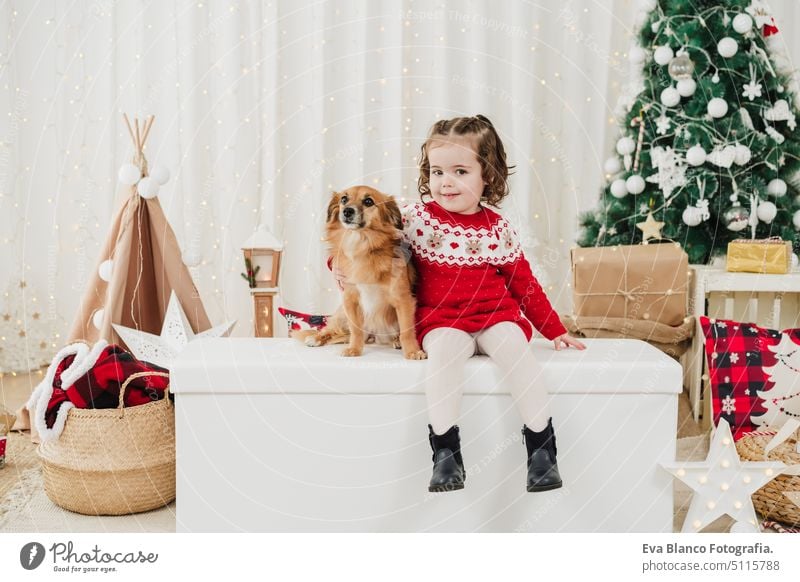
333, 207
390, 213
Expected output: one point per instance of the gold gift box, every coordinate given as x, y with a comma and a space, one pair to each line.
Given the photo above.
771, 255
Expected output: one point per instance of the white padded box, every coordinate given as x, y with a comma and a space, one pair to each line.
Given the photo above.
273, 436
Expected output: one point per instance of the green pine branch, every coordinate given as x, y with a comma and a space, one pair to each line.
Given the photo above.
250, 274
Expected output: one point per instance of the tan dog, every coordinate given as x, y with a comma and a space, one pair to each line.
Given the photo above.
364, 232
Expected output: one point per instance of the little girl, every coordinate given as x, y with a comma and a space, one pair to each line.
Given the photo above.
476, 294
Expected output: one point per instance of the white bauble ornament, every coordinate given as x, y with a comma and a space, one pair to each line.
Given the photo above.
696, 155
635, 184
637, 55
191, 257
743, 154
105, 269
663, 55
612, 165
766, 212
742, 23
97, 318
691, 216
686, 87
619, 189
626, 146
147, 187
717, 107
796, 220
160, 174
670, 97
128, 174
727, 47
776, 187
795, 261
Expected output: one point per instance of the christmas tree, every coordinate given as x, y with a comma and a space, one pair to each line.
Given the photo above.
709, 142
29, 334
782, 401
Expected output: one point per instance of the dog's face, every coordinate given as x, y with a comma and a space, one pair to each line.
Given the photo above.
363, 207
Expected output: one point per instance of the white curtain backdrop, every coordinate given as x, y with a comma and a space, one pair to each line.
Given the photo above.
264, 107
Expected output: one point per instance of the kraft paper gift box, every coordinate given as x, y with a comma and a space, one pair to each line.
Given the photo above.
645, 282
771, 255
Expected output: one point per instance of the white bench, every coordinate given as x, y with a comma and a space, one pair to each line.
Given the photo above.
273, 436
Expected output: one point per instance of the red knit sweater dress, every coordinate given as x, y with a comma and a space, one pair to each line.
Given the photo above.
472, 273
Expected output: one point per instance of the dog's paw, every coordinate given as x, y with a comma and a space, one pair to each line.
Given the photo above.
416, 355
351, 352
396, 343
312, 341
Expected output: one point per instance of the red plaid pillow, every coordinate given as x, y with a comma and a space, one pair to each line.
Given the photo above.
297, 320
754, 374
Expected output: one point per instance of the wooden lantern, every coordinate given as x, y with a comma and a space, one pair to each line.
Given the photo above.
263, 251
262, 303
262, 254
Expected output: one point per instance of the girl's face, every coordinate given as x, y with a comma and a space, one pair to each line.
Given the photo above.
456, 181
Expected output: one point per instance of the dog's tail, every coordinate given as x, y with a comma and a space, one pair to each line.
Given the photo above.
302, 334
320, 337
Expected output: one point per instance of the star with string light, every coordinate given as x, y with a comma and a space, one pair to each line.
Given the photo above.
651, 228
175, 334
722, 484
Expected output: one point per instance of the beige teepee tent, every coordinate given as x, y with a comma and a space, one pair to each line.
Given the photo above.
147, 267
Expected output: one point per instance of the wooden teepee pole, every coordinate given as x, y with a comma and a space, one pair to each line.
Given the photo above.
130, 130
138, 143
148, 123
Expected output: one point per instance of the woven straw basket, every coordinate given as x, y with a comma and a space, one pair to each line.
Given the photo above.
770, 501
113, 461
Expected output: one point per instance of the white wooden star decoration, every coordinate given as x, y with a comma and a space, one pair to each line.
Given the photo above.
175, 334
722, 484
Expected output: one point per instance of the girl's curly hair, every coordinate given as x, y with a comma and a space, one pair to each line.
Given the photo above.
488, 147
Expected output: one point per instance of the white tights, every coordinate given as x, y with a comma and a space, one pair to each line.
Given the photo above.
448, 351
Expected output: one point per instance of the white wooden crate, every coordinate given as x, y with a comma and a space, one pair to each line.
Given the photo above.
767, 300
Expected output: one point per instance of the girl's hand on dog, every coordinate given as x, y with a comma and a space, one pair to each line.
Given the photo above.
339, 276
568, 341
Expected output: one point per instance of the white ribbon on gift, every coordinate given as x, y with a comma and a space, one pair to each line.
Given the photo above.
787, 430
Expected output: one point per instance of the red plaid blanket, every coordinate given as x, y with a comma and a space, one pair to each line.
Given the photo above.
83, 378
754, 374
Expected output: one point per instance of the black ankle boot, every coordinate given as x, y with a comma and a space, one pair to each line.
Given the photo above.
448, 467
542, 465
